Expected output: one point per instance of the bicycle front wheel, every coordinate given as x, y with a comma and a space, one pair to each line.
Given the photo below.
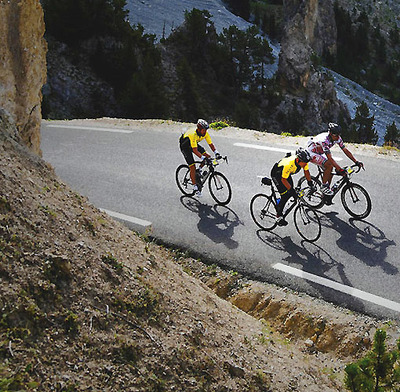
313, 199
307, 223
263, 211
182, 177
356, 201
220, 189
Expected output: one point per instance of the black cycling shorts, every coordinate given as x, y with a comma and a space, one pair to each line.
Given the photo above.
187, 151
276, 174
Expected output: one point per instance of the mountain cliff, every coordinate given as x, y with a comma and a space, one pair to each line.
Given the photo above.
22, 68
308, 93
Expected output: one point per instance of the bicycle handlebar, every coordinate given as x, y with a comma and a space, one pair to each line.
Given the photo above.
355, 169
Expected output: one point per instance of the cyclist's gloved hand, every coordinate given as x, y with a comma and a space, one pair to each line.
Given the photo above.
360, 164
217, 155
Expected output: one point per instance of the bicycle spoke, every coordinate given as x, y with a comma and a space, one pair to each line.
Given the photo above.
182, 177
263, 212
220, 188
307, 223
356, 201
313, 198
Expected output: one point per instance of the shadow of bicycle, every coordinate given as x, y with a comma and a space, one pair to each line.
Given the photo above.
362, 240
216, 222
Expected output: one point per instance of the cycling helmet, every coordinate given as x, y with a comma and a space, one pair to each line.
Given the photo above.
202, 124
303, 155
334, 128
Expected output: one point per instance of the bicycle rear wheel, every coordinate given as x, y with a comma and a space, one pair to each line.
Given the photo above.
182, 177
220, 189
263, 211
356, 201
307, 223
313, 199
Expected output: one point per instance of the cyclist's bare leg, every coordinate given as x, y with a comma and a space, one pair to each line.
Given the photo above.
327, 175
193, 173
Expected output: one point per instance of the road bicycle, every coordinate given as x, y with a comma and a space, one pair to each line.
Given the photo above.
355, 199
263, 211
218, 184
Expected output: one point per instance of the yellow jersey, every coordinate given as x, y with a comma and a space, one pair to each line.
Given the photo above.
288, 166
195, 138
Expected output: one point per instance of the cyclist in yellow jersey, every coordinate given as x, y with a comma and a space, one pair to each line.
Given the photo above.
281, 174
188, 143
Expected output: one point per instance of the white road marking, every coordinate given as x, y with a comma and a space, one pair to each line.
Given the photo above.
116, 130
130, 221
339, 287
258, 147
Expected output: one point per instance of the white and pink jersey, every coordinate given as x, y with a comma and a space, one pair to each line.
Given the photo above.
322, 143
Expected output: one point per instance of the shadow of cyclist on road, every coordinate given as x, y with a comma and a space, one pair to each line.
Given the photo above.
216, 222
362, 240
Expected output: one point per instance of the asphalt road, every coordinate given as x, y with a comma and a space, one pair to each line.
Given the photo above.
354, 264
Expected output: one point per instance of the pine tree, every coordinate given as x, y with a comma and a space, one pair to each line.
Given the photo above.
392, 135
366, 132
378, 371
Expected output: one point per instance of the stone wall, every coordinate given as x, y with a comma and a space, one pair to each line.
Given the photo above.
22, 67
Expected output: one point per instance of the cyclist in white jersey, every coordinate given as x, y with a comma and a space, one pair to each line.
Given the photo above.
319, 148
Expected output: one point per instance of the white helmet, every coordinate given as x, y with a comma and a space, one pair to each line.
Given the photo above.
202, 124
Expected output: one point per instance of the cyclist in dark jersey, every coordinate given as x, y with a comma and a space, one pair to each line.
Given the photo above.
188, 143
281, 174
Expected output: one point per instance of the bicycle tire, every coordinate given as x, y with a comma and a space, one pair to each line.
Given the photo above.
182, 177
219, 188
356, 200
307, 222
263, 211
312, 199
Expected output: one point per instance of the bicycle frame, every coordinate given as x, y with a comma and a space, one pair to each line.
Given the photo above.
263, 211
342, 181
211, 166
274, 192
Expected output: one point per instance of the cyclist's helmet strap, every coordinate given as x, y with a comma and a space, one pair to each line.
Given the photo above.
334, 128
303, 155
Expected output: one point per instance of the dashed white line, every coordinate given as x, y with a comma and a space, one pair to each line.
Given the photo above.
130, 221
267, 148
258, 147
339, 287
116, 130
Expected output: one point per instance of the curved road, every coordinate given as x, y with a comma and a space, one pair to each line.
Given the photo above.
131, 171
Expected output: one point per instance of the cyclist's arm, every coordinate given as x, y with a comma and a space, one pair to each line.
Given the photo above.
307, 175
349, 154
198, 153
286, 183
212, 147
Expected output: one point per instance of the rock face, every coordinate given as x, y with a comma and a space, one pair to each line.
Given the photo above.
22, 68
73, 90
310, 31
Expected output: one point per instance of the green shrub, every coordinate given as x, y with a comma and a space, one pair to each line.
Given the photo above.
378, 371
